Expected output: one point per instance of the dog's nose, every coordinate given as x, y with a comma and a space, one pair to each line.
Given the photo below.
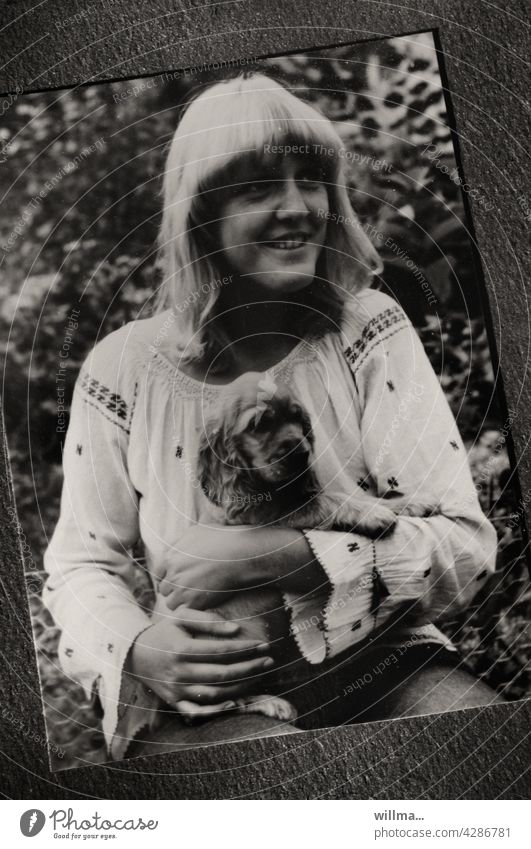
297, 456
292, 446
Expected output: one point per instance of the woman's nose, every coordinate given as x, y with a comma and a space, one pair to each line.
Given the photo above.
290, 201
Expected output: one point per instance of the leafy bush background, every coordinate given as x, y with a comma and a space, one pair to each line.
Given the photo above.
89, 246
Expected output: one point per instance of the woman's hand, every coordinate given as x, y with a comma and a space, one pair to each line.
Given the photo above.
179, 660
215, 562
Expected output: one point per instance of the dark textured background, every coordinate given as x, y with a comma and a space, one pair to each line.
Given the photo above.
473, 754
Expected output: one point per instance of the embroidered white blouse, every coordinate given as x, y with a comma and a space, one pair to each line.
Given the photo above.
381, 424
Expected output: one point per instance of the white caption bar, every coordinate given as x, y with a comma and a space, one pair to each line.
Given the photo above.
242, 824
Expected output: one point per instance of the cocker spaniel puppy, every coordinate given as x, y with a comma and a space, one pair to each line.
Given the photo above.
256, 463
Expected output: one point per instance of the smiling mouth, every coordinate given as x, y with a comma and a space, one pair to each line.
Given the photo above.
291, 243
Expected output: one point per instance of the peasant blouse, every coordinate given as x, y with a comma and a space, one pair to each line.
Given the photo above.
382, 425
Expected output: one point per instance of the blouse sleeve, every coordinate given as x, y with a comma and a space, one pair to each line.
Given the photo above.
427, 569
89, 589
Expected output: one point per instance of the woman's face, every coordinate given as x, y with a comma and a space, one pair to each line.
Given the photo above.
273, 225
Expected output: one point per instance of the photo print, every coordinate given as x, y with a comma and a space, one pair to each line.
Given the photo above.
259, 443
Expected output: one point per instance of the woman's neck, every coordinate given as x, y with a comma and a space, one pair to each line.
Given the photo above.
248, 321
260, 315
253, 334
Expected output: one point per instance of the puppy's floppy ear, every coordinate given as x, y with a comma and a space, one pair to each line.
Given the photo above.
223, 470
238, 483
235, 475
211, 461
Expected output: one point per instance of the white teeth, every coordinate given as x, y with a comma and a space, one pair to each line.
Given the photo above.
289, 244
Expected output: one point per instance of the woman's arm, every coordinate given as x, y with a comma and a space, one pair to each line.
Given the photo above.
91, 574
214, 562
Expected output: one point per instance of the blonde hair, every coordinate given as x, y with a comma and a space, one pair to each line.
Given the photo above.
225, 124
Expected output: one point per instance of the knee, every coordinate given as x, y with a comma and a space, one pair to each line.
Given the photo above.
470, 691
440, 688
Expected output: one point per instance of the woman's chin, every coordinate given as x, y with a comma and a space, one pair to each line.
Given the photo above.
280, 285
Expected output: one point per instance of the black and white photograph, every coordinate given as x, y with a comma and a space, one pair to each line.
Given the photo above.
260, 447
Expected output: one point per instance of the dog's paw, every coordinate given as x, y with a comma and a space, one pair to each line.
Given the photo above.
272, 706
421, 509
378, 522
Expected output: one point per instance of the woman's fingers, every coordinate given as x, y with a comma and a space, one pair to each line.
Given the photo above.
212, 628
167, 586
218, 673
222, 651
205, 622
191, 710
166, 692
205, 694
173, 596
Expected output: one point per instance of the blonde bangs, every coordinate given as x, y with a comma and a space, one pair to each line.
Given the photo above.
247, 120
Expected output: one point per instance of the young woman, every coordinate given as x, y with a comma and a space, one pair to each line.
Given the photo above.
265, 269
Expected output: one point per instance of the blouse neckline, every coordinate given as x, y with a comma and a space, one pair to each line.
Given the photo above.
302, 351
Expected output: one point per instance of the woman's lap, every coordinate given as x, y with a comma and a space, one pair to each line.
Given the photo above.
173, 734
438, 688
424, 679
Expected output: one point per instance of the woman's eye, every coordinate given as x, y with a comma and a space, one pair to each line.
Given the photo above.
309, 177
256, 189
307, 180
